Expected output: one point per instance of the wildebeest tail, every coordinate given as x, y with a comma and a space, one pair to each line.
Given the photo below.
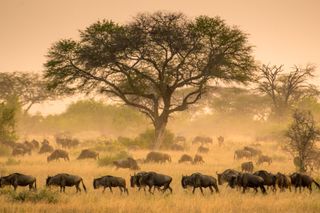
84, 187
317, 184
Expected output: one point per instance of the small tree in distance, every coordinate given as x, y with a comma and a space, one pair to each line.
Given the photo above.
159, 63
303, 135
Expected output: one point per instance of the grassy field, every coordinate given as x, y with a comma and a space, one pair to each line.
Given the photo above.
217, 160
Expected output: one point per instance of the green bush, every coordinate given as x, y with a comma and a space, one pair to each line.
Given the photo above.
145, 139
42, 195
107, 160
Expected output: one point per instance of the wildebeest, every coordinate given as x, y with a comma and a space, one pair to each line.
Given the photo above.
198, 159
202, 149
64, 180
202, 140
283, 182
247, 180
18, 151
45, 147
18, 179
254, 152
198, 180
156, 180
269, 179
128, 163
87, 153
240, 153
247, 167
227, 176
299, 180
67, 141
177, 147
185, 158
35, 144
220, 140
109, 181
264, 159
57, 154
157, 157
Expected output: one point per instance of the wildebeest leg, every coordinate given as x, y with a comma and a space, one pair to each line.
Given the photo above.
194, 188
211, 189
110, 189
104, 189
244, 189
78, 188
201, 190
150, 187
120, 190
256, 190
310, 188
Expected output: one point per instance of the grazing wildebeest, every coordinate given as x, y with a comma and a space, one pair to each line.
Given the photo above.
240, 153
177, 147
185, 158
87, 153
64, 180
227, 176
57, 154
299, 180
157, 157
247, 167
128, 163
269, 179
198, 159
247, 180
283, 181
198, 180
264, 159
153, 179
254, 152
109, 181
67, 142
203, 149
17, 179
45, 147
220, 140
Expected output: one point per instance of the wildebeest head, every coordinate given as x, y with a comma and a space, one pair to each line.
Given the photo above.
48, 180
96, 183
233, 181
185, 181
133, 180
219, 178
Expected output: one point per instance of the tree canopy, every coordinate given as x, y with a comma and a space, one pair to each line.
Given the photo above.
146, 62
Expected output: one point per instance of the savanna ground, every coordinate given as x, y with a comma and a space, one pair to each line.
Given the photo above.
217, 160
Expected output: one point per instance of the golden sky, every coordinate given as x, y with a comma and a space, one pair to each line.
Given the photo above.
282, 31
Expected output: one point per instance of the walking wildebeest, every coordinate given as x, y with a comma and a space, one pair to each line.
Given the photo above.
283, 181
240, 153
35, 144
227, 176
264, 158
109, 181
128, 163
153, 179
299, 180
18, 151
203, 149
17, 179
246, 180
185, 158
269, 179
64, 180
58, 153
198, 159
87, 153
254, 152
198, 180
157, 157
45, 147
247, 167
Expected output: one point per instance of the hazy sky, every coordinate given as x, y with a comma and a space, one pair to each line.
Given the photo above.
282, 31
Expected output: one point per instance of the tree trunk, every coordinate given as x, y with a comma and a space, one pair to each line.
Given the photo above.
160, 128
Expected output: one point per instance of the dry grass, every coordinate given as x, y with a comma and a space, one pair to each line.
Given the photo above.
181, 200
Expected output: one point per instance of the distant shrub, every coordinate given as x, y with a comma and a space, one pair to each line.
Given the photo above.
107, 160
146, 139
12, 161
42, 195
4, 151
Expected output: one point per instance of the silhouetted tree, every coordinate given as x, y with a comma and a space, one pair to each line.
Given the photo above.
146, 62
302, 135
286, 89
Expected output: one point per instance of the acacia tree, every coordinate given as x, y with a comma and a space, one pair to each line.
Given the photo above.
285, 90
146, 62
29, 88
303, 135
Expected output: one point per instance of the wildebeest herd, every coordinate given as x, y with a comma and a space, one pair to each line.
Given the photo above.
153, 180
